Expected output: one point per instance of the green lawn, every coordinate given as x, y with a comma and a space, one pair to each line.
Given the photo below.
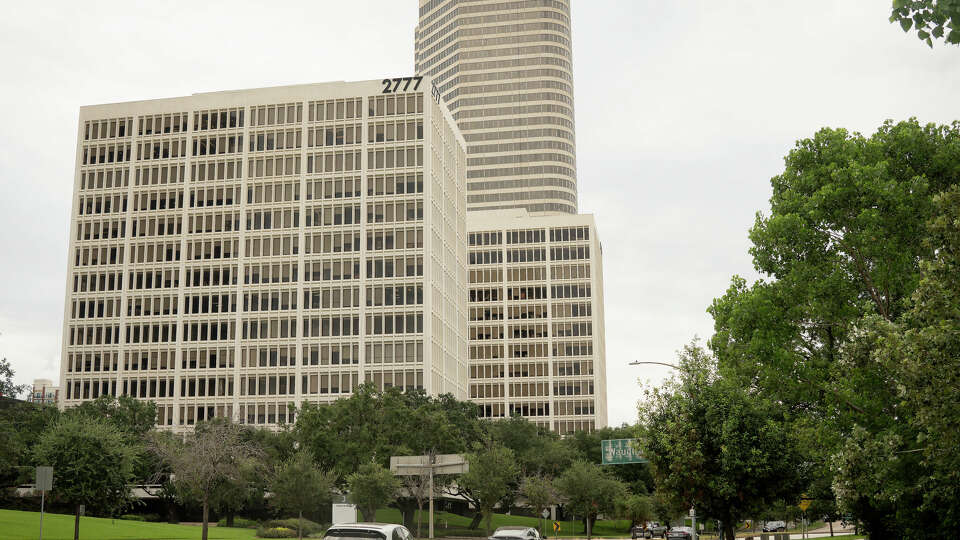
17, 525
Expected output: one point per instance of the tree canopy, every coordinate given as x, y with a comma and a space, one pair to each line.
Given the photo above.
931, 19
849, 255
212, 456
717, 446
93, 463
299, 486
372, 487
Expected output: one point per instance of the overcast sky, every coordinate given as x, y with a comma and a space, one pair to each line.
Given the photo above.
684, 111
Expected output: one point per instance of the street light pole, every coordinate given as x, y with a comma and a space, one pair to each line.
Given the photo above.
639, 362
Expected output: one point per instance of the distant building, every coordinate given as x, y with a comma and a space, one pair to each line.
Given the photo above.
536, 319
44, 392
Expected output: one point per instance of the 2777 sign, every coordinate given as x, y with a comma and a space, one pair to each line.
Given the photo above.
403, 84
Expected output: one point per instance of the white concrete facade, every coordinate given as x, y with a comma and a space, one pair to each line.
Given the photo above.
537, 345
505, 70
234, 252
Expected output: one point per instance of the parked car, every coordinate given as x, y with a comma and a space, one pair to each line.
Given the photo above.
367, 531
652, 529
775, 526
515, 533
680, 533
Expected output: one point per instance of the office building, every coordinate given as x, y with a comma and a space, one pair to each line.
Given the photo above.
504, 70
536, 319
234, 252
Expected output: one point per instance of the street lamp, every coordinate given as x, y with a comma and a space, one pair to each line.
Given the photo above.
639, 362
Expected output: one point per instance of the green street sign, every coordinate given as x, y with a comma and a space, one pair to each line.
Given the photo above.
621, 452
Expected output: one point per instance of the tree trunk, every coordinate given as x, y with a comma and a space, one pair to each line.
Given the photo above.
76, 523
206, 516
728, 531
300, 525
589, 529
831, 527
476, 520
419, 517
230, 519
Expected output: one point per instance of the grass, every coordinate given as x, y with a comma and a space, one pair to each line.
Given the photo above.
18, 525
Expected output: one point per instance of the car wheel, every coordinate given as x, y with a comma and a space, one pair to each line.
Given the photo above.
781, 529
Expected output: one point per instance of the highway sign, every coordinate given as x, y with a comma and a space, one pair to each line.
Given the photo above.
621, 451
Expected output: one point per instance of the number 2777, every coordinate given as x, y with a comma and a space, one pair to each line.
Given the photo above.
393, 85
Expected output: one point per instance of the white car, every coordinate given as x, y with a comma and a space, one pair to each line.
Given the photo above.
367, 531
515, 533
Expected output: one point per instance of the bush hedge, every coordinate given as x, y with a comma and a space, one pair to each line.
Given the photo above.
276, 532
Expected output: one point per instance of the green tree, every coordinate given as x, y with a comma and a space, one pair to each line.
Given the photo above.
897, 469
243, 492
21, 425
538, 450
639, 509
930, 18
589, 491
134, 418
7, 387
299, 486
374, 425
492, 475
540, 493
205, 460
844, 242
92, 465
716, 446
372, 487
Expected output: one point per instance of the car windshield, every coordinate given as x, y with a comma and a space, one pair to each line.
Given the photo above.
354, 534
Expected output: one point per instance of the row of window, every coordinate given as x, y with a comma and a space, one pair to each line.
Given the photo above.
107, 128
105, 153
102, 229
105, 178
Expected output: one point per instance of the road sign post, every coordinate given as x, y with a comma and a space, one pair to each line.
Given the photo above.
44, 484
803, 505
432, 464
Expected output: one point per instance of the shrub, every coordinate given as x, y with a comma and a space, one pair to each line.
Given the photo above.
133, 517
239, 523
309, 527
276, 532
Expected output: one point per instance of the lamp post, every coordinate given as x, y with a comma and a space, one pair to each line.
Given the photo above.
693, 515
639, 362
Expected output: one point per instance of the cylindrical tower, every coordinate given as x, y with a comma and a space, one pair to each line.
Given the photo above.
504, 70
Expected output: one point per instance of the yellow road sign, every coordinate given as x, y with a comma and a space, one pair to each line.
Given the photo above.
804, 502
556, 526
